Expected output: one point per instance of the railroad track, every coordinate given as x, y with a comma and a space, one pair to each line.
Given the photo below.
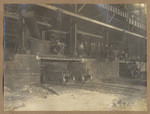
103, 87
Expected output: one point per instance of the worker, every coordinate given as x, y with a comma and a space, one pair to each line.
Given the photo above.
62, 45
55, 48
90, 49
93, 50
86, 49
111, 55
102, 52
105, 55
80, 49
98, 50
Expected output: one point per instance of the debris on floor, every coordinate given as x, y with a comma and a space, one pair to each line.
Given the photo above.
69, 98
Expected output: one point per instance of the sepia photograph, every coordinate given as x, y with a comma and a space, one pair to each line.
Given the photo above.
75, 57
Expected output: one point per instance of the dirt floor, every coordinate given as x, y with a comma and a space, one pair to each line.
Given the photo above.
78, 97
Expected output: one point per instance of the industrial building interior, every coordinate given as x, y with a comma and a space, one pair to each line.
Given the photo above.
75, 57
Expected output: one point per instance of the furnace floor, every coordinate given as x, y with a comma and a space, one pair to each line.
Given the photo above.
73, 98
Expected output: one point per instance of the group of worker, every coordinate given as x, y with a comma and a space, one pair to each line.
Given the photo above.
96, 50
100, 51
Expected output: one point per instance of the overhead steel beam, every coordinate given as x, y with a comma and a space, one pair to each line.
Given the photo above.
72, 7
111, 18
17, 17
132, 28
73, 37
60, 32
88, 19
89, 34
76, 8
81, 7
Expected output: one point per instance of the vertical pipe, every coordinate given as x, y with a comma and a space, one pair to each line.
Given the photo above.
43, 35
107, 28
23, 37
129, 41
139, 50
76, 8
73, 36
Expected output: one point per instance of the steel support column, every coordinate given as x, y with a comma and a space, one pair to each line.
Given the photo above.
107, 28
43, 35
23, 37
111, 18
73, 36
81, 7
